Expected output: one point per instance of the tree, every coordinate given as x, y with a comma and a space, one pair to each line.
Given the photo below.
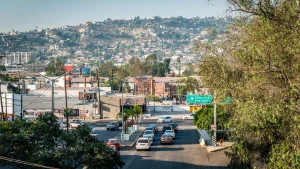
204, 118
137, 110
55, 68
43, 142
259, 69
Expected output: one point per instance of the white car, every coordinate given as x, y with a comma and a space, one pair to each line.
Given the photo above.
171, 132
149, 133
143, 144
166, 119
189, 117
75, 123
149, 137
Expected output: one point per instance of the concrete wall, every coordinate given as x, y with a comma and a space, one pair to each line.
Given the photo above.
110, 106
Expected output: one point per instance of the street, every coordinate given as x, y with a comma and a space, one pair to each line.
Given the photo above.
185, 152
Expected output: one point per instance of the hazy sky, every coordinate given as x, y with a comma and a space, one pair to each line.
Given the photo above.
22, 15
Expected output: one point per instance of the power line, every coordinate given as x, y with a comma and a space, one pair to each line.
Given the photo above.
24, 162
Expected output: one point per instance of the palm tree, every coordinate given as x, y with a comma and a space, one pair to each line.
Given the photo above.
136, 111
126, 115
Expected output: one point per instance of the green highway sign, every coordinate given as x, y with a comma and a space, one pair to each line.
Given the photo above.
194, 99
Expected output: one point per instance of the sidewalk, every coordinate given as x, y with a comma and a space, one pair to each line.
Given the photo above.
132, 138
225, 145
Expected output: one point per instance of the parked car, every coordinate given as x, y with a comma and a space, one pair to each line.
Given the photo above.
189, 117
75, 123
143, 144
112, 126
149, 133
166, 138
148, 137
171, 132
114, 142
166, 119
166, 128
174, 126
154, 126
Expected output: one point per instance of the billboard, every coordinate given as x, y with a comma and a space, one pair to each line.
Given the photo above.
86, 71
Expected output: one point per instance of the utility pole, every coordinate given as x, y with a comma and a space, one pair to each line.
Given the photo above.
6, 105
52, 95
215, 120
1, 103
66, 98
122, 137
99, 101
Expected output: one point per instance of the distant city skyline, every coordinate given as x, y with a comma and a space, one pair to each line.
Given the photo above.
25, 15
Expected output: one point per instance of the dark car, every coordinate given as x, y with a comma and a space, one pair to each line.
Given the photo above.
120, 123
154, 126
150, 128
112, 126
166, 128
174, 126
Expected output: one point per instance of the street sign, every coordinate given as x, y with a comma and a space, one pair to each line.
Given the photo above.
194, 99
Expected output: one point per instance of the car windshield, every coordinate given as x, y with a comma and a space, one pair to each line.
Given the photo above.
149, 128
166, 128
166, 135
148, 132
169, 131
142, 141
113, 141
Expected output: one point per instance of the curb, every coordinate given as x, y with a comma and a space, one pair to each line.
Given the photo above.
136, 139
133, 141
223, 148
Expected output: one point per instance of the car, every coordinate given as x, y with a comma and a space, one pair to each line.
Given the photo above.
143, 144
154, 126
148, 137
113, 142
150, 128
149, 133
166, 119
95, 136
174, 126
166, 138
171, 132
113, 147
75, 123
120, 123
112, 126
166, 128
90, 126
189, 117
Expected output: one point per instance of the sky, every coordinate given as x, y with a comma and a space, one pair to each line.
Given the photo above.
24, 15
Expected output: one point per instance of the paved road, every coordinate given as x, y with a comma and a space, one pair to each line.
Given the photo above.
105, 135
185, 153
